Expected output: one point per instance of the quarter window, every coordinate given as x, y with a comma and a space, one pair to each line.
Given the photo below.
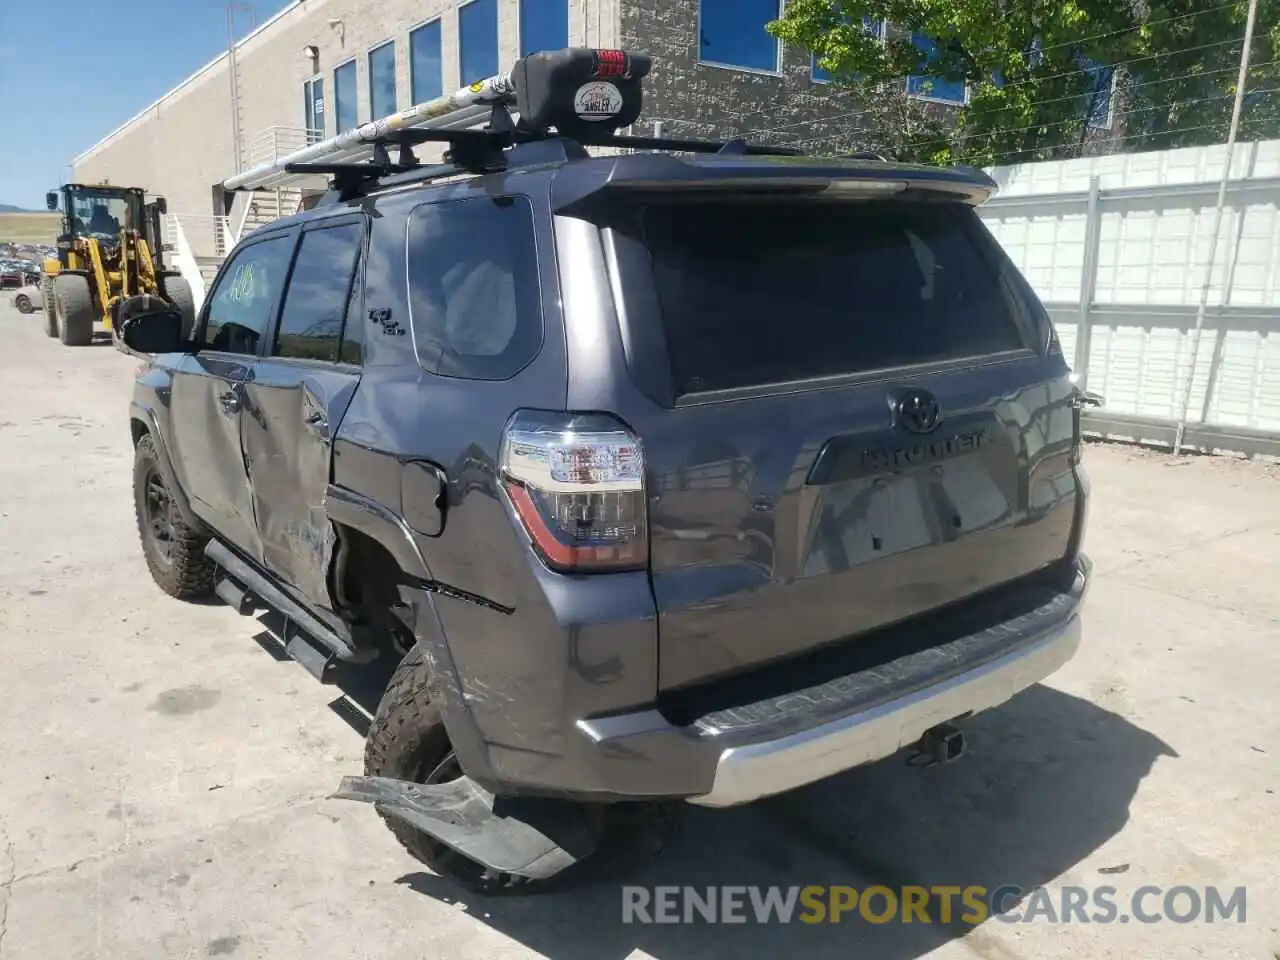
248, 290
475, 299
319, 291
732, 33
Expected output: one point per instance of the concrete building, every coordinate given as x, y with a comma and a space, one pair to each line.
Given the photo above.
326, 65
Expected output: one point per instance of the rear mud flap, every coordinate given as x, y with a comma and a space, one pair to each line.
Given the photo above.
528, 837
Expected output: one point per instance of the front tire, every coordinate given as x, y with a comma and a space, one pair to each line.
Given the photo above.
23, 303
73, 300
173, 551
178, 292
50, 314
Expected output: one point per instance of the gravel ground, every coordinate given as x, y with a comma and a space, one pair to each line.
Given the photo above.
164, 785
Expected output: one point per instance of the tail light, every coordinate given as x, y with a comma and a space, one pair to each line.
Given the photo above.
577, 484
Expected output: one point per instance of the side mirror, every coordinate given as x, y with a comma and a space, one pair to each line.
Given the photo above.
162, 206
51, 200
158, 331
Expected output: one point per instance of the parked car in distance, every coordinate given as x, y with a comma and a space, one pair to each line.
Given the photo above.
12, 274
28, 298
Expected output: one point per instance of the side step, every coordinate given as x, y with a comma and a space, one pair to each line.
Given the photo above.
528, 837
305, 638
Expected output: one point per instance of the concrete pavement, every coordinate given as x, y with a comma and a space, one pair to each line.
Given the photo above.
163, 779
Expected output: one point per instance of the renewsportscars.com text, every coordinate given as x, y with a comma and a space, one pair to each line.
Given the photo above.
969, 905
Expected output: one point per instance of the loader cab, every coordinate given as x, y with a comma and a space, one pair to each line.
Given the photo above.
99, 212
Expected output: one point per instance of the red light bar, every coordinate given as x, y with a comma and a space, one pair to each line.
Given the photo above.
611, 63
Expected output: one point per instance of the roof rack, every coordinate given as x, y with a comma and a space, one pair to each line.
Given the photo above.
581, 95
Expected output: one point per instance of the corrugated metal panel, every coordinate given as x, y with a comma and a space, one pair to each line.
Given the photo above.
1152, 253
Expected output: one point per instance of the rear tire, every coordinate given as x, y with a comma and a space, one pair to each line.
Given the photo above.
178, 292
23, 303
50, 313
408, 741
73, 300
173, 551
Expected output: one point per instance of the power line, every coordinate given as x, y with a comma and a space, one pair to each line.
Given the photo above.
1123, 113
1139, 26
818, 141
988, 161
1119, 63
1090, 70
1123, 63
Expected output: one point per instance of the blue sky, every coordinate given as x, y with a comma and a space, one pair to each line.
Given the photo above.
76, 71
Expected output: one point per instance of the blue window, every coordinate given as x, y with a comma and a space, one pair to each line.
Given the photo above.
873, 27
478, 39
544, 25
731, 32
933, 88
426, 68
344, 97
382, 81
1098, 104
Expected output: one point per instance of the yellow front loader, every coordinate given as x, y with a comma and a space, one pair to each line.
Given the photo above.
109, 264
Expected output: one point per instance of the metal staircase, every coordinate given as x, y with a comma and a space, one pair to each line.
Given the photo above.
268, 206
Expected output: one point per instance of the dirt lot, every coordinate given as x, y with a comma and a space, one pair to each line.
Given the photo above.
163, 785
28, 227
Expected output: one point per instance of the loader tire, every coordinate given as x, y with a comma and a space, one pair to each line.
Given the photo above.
178, 292
173, 551
50, 310
73, 301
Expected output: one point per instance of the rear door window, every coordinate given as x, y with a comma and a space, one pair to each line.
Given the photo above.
774, 291
320, 288
474, 295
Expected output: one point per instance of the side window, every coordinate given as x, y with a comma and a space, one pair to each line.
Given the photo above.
473, 287
315, 304
247, 292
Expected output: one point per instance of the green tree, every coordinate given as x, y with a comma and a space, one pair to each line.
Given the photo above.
1040, 72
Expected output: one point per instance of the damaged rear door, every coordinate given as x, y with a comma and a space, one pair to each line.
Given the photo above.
296, 398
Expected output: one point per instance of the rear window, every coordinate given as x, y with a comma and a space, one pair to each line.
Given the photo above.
775, 291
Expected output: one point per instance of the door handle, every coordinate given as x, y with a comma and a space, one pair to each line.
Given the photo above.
229, 402
317, 423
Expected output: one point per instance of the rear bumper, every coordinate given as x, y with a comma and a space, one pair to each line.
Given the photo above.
755, 750
746, 773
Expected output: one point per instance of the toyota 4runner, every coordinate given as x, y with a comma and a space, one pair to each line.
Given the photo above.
693, 471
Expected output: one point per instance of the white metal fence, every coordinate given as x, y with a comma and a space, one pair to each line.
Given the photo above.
1117, 247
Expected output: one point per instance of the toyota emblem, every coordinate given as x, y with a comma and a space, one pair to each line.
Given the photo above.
919, 411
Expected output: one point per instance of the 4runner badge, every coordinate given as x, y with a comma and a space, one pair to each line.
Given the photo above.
597, 101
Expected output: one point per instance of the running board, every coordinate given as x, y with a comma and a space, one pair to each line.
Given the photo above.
306, 638
528, 837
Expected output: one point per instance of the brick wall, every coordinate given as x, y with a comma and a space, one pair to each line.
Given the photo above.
697, 99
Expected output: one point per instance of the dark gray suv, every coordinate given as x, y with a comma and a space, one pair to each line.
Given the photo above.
690, 472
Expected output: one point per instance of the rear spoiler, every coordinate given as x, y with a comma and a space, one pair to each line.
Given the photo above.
581, 185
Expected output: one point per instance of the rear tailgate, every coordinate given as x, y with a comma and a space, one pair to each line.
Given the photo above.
866, 421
